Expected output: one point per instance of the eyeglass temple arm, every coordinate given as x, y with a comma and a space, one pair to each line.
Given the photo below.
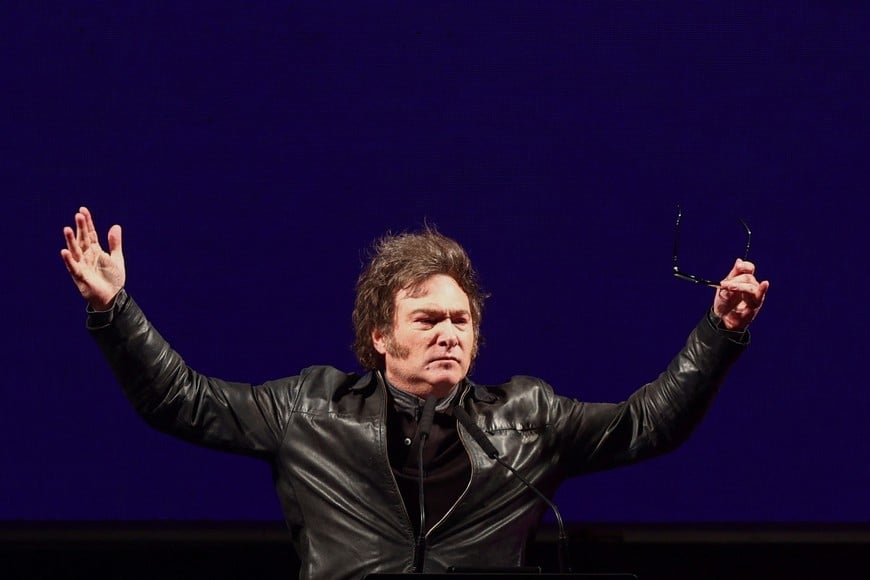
677, 237
748, 238
695, 279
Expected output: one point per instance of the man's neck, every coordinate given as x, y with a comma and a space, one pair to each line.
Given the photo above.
423, 390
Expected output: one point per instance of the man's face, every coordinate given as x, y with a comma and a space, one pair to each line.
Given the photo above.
430, 347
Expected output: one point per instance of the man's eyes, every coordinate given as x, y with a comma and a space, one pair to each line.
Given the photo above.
429, 322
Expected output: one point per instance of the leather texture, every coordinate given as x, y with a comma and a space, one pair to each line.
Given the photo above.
324, 434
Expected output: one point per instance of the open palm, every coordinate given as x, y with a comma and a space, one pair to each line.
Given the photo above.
99, 275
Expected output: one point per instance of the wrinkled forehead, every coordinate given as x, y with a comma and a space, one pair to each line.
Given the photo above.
417, 289
439, 289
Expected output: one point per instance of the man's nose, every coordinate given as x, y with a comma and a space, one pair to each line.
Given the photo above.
448, 335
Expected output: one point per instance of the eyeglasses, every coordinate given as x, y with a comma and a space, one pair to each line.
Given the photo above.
696, 279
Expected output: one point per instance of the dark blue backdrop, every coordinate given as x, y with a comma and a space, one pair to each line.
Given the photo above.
252, 151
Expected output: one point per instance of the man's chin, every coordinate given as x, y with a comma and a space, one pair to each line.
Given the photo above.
441, 380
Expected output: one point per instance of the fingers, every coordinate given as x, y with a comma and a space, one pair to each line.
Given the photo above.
742, 279
746, 287
82, 239
70, 262
742, 300
739, 287
744, 295
86, 234
739, 305
115, 240
740, 295
90, 230
71, 244
72, 254
761, 293
73, 265
740, 267
79, 242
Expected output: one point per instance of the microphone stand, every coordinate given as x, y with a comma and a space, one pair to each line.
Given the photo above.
478, 435
423, 428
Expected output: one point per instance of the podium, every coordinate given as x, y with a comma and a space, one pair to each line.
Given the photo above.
503, 574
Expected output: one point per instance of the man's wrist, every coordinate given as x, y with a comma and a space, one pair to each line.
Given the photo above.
101, 316
99, 307
719, 324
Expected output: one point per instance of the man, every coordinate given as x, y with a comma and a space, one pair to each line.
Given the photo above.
344, 448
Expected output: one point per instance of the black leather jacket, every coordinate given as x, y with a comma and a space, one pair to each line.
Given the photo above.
324, 434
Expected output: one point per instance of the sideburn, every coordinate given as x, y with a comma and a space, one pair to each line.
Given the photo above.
396, 350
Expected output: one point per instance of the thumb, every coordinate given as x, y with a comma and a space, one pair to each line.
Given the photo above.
115, 240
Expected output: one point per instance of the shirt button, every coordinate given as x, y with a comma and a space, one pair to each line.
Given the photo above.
407, 441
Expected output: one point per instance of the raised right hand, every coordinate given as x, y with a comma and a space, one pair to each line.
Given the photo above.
740, 296
98, 275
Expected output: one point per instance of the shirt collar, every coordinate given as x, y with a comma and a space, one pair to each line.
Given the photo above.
409, 403
479, 392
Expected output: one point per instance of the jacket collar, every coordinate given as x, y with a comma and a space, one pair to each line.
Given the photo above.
373, 378
481, 393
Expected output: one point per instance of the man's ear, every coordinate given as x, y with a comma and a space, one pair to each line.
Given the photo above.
379, 341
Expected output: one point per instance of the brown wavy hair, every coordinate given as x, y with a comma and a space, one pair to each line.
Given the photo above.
404, 261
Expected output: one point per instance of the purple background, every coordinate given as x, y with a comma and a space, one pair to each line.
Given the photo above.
252, 151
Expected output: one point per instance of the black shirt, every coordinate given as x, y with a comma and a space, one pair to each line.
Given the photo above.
446, 470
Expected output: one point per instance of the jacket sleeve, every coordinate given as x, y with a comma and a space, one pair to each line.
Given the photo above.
656, 418
177, 400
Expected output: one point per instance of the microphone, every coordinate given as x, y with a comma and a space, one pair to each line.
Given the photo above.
427, 417
483, 441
